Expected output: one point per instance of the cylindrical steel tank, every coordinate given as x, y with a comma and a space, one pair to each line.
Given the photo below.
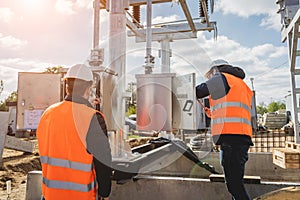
154, 102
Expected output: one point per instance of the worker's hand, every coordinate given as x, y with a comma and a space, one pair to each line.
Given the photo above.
95, 101
207, 111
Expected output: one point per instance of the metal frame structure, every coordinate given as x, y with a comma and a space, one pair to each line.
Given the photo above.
174, 30
168, 32
119, 19
291, 34
165, 32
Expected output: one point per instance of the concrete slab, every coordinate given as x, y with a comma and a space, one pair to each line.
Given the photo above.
4, 120
259, 164
289, 193
178, 188
175, 188
19, 144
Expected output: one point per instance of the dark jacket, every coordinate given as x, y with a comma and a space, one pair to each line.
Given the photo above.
212, 86
217, 86
98, 146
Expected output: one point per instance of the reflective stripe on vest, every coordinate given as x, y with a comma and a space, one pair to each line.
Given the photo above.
66, 163
230, 104
230, 120
69, 185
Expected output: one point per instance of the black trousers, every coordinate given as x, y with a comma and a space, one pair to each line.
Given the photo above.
233, 159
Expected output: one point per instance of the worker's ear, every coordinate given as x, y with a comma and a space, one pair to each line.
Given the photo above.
215, 70
87, 92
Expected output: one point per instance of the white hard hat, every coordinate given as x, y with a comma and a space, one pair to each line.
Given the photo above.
80, 71
218, 62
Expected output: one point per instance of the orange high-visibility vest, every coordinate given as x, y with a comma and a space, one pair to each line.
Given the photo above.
231, 114
67, 167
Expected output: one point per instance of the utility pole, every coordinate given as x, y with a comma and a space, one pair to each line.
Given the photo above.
1, 86
252, 79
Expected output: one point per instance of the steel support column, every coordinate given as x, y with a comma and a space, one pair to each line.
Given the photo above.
165, 54
117, 61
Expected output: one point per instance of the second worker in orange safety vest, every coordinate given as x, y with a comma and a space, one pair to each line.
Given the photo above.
230, 113
73, 144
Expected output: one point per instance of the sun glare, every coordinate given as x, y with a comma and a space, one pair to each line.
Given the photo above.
32, 4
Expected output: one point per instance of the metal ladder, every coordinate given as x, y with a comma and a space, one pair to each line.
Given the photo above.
291, 34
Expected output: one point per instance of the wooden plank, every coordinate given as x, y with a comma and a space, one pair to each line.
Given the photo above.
19, 144
286, 158
4, 118
279, 162
247, 179
293, 146
288, 155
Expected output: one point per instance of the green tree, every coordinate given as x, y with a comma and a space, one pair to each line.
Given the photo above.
131, 110
261, 108
11, 98
3, 106
275, 106
53, 70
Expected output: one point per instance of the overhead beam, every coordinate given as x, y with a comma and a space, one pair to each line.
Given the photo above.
176, 28
134, 28
170, 37
171, 32
135, 2
187, 15
144, 2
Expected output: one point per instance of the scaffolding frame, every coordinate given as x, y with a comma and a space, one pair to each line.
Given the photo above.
291, 35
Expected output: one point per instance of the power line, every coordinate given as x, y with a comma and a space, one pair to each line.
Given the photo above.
266, 72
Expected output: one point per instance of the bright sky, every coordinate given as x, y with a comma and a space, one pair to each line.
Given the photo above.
36, 34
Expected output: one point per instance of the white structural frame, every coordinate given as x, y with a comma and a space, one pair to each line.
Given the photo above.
291, 34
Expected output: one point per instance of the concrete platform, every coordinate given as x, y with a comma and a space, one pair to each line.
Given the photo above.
289, 193
177, 188
165, 188
183, 179
259, 164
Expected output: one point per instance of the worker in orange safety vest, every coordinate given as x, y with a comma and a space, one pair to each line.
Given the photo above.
230, 112
73, 144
